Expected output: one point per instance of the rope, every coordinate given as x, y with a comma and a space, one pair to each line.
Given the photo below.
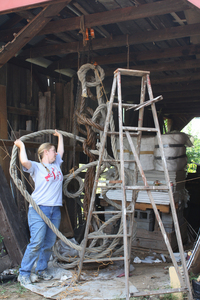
82, 77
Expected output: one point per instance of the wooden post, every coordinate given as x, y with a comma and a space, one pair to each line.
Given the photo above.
4, 159
42, 115
48, 114
59, 103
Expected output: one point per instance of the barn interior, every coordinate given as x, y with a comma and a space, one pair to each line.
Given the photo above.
43, 46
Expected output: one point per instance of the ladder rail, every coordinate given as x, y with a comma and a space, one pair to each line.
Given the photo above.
126, 256
139, 137
173, 209
155, 209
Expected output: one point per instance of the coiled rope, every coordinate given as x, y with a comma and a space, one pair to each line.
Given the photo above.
82, 77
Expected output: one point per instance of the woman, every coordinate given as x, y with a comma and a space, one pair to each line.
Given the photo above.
48, 180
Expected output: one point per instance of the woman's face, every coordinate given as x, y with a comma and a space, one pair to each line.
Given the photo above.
51, 154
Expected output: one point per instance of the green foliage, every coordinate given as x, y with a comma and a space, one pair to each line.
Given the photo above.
193, 153
193, 276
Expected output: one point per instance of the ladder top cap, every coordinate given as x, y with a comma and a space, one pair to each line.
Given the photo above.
131, 72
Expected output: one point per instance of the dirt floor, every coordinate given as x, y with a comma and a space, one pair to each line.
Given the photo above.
144, 277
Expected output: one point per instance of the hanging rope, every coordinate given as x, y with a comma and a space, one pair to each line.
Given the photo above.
82, 77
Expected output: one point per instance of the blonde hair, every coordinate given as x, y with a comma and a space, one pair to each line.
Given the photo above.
44, 146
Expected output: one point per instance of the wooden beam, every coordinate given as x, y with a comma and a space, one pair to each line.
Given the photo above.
165, 80
181, 95
117, 41
162, 67
181, 103
30, 30
70, 61
182, 110
190, 86
22, 111
113, 16
161, 89
118, 15
174, 79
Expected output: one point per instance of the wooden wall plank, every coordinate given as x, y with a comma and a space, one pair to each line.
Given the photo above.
48, 137
10, 224
4, 159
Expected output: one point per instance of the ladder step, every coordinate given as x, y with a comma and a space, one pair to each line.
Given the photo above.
107, 236
117, 160
128, 128
109, 186
147, 188
146, 103
101, 212
103, 259
149, 102
117, 133
126, 105
128, 72
110, 181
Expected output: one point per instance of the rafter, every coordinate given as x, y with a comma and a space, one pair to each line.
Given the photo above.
29, 31
108, 17
133, 57
117, 41
118, 15
163, 67
167, 79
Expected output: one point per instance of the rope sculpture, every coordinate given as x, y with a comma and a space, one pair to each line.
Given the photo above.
84, 117
94, 251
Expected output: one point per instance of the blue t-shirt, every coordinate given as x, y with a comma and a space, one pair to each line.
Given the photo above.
48, 186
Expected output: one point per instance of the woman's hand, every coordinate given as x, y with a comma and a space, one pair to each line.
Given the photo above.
19, 143
56, 133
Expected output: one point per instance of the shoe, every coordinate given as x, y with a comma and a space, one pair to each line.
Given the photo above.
34, 278
24, 280
45, 275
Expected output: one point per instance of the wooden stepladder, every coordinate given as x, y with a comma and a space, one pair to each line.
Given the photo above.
128, 132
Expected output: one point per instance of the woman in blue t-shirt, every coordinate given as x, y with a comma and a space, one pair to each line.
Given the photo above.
48, 179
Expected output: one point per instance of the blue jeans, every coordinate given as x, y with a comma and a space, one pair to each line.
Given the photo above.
42, 239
